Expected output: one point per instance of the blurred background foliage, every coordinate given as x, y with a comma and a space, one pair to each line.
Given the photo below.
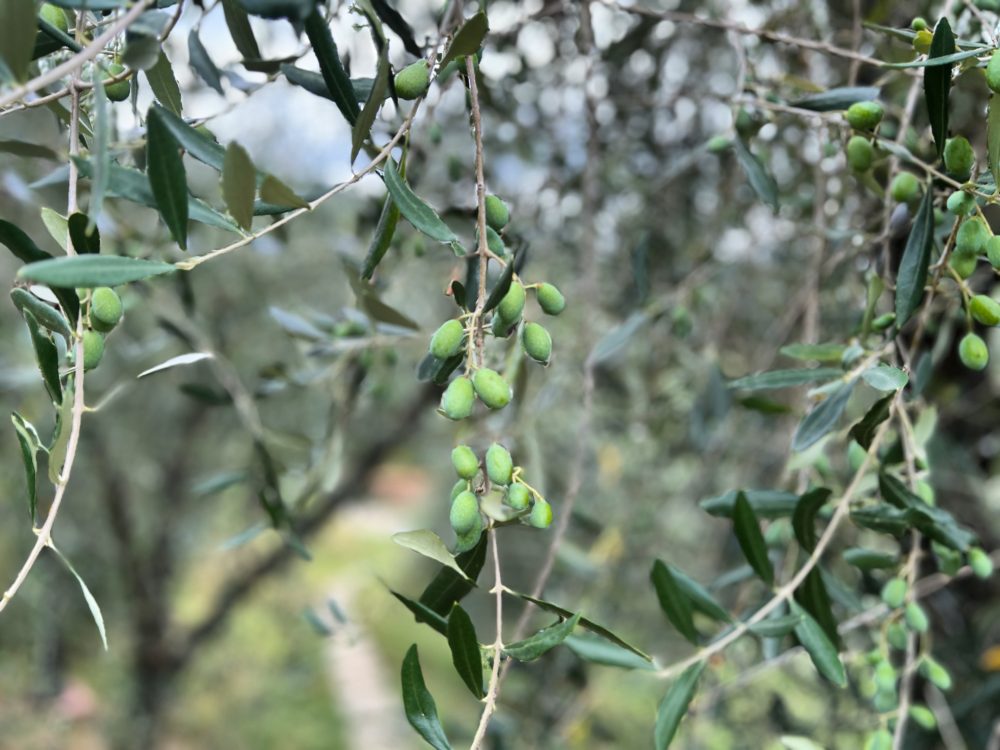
697, 282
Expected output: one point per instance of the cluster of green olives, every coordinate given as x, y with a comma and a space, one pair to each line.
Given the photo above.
104, 312
863, 117
492, 488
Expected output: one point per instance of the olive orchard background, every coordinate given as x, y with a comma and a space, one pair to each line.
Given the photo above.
674, 269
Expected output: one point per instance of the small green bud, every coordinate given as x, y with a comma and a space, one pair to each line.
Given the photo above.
118, 91
864, 115
964, 264
984, 309
916, 618
465, 462
980, 563
512, 304
880, 739
497, 213
550, 299
923, 716
993, 251
972, 236
499, 464
541, 514
860, 153
905, 187
457, 399
961, 203
491, 388
935, 673
413, 81
460, 486
55, 16
973, 352
918, 24
894, 593
518, 496
993, 72
883, 321
105, 309
537, 342
464, 515
959, 157
447, 340
895, 634
93, 349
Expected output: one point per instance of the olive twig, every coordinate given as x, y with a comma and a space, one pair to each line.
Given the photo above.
494, 684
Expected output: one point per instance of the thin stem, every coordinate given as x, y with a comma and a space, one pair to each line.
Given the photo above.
493, 689
483, 251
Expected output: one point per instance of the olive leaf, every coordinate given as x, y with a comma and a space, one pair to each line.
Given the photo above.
760, 179
448, 587
425, 542
468, 39
804, 518
836, 99
937, 84
418, 703
822, 418
673, 600
916, 258
330, 66
382, 239
465, 654
675, 704
239, 184
820, 649
167, 177
543, 641
765, 503
164, 84
27, 438
784, 378
202, 63
414, 210
751, 540
92, 605
239, 29
87, 271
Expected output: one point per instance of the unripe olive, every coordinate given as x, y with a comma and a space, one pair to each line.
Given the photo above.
935, 673
922, 41
447, 340
885, 676
460, 486
537, 342
984, 309
465, 542
980, 563
413, 80
550, 299
105, 309
497, 213
972, 236
518, 496
918, 24
895, 634
993, 251
463, 458
55, 16
961, 203
495, 243
491, 388
963, 263
864, 115
457, 399
119, 90
499, 464
894, 592
860, 153
973, 352
718, 143
747, 124
880, 739
512, 304
916, 618
959, 157
464, 513
923, 716
541, 514
905, 187
883, 321
500, 327
885, 701
93, 349
993, 72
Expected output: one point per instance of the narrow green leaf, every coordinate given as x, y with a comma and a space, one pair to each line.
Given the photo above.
167, 177
760, 179
776, 627
748, 534
675, 704
397, 23
238, 184
822, 418
60, 436
870, 559
834, 100
382, 239
334, 75
448, 587
92, 605
418, 703
83, 235
699, 597
276, 193
202, 63
546, 639
814, 352
47, 356
366, 119
423, 613
468, 39
27, 438
937, 85
27, 150
599, 651
465, 654
89, 271
912, 274
164, 84
100, 154
194, 142
815, 599
804, 518
413, 209
822, 652
240, 29
884, 377
46, 315
864, 431
500, 289
765, 503
784, 378
58, 228
425, 542
314, 83
930, 62
20, 244
993, 139
17, 35
673, 601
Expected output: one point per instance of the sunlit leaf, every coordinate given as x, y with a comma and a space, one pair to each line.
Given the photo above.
546, 639
428, 544
92, 270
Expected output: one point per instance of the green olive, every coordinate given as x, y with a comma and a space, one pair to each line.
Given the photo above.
972, 236
118, 91
905, 187
993, 251
413, 81
537, 342
541, 514
980, 562
512, 304
923, 716
895, 634
491, 388
860, 153
93, 349
963, 263
518, 496
460, 486
864, 115
894, 593
916, 618
550, 299
973, 352
105, 308
984, 309
885, 676
463, 458
993, 72
959, 157
497, 213
447, 340
499, 464
922, 41
464, 515
961, 203
935, 673
918, 24
457, 399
